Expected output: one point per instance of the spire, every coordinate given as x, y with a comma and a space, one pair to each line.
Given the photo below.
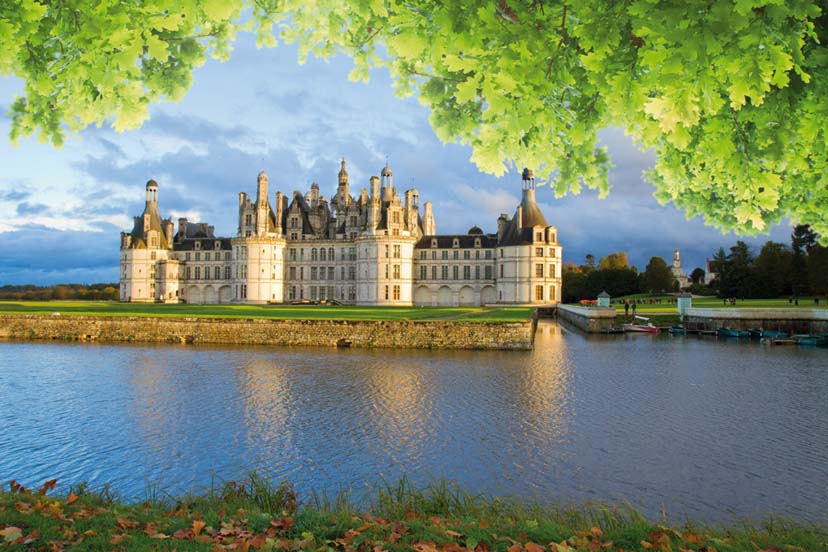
343, 174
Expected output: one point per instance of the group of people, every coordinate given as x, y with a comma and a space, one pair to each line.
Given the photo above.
630, 303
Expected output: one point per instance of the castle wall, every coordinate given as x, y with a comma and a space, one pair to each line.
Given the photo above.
330, 333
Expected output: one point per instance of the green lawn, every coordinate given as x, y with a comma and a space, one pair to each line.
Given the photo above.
282, 312
715, 303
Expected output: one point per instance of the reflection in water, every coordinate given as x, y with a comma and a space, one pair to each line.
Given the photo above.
709, 429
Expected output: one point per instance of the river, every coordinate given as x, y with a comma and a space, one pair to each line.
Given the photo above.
705, 429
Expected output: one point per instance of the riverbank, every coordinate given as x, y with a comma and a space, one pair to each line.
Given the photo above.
257, 515
410, 334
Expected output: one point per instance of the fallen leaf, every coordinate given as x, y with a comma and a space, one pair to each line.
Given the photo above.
198, 525
71, 498
11, 533
596, 531
532, 547
515, 548
647, 545
126, 524
454, 534
48, 486
118, 539
89, 533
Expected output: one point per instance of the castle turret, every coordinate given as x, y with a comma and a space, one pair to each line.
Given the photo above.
152, 193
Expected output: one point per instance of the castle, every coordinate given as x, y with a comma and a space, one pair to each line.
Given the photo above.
376, 249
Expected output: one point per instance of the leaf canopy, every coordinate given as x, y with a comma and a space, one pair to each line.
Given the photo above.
731, 95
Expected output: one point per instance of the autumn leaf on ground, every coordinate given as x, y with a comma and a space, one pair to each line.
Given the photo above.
532, 547
454, 534
198, 525
11, 533
71, 498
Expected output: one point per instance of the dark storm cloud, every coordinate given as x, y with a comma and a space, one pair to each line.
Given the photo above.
36, 254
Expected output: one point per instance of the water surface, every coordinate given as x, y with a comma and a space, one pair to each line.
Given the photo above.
708, 429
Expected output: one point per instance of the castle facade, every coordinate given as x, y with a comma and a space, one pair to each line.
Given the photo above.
373, 249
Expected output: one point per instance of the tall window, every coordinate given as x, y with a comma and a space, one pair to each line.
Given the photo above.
396, 293
396, 251
386, 250
227, 273
386, 293
539, 236
217, 272
466, 272
313, 273
330, 274
198, 273
466, 254
539, 252
423, 272
396, 272
323, 255
455, 272
445, 255
434, 272
444, 272
314, 254
539, 270
538, 293
331, 253
292, 273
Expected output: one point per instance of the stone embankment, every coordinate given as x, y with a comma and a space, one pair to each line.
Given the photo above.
795, 321
258, 331
588, 319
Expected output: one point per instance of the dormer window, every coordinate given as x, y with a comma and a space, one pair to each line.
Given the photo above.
539, 236
198, 245
455, 243
477, 242
217, 245
433, 243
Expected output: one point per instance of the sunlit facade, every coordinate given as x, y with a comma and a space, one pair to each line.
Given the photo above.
373, 249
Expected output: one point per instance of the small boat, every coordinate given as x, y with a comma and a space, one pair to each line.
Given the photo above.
756, 333
677, 330
812, 340
728, 332
772, 334
645, 327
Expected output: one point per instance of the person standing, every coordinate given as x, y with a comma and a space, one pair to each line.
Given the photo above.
626, 307
634, 304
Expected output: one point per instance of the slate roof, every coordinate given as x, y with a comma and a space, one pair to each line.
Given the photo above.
531, 216
139, 239
466, 241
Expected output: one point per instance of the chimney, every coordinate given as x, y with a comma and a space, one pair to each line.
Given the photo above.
182, 228
501, 225
375, 188
168, 232
279, 207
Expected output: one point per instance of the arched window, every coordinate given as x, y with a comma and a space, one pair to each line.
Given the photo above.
322, 254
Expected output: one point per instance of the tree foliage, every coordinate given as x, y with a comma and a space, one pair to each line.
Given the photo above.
730, 94
657, 276
615, 260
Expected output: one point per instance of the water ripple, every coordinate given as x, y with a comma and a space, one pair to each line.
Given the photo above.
709, 429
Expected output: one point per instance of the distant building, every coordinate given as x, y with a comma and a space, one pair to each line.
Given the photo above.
709, 272
375, 249
678, 273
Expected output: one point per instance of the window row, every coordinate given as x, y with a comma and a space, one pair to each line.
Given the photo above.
443, 272
455, 254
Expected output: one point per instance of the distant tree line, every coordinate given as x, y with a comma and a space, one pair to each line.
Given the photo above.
60, 292
779, 270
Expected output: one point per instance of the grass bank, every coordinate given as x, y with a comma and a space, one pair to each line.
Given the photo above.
280, 312
257, 515
646, 306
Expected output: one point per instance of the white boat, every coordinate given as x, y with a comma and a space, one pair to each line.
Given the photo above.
645, 326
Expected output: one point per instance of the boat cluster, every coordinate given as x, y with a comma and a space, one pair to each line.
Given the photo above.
776, 337
643, 325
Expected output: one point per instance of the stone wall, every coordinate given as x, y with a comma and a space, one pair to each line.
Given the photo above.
254, 331
588, 319
802, 321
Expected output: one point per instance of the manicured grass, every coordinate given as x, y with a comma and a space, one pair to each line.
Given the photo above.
257, 515
283, 312
645, 307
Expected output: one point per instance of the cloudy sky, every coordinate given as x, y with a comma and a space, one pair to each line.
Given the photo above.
61, 210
